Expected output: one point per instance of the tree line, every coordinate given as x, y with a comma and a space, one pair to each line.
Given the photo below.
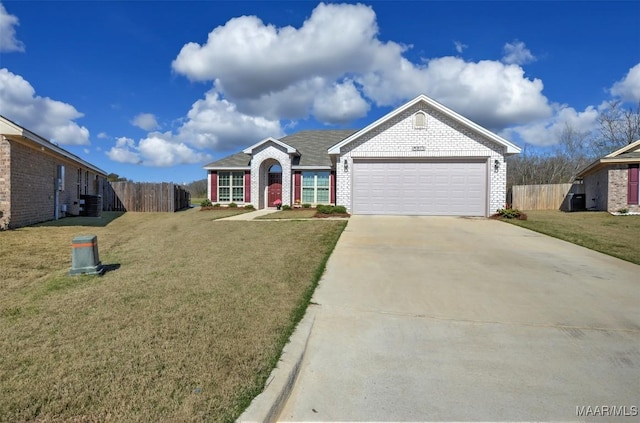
617, 127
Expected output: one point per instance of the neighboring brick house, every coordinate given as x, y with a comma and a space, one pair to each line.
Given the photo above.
420, 159
611, 183
40, 181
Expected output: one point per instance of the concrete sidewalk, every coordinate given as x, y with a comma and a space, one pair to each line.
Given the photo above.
452, 319
251, 215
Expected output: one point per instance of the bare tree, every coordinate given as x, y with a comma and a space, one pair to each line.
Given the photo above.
198, 189
618, 127
559, 164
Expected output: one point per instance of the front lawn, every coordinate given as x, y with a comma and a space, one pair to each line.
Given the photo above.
290, 214
614, 235
186, 325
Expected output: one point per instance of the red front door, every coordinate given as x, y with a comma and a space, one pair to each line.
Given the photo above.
275, 188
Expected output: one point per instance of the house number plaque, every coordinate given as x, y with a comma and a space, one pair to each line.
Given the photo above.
418, 148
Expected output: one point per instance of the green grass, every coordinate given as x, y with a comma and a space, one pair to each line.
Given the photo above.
185, 326
617, 236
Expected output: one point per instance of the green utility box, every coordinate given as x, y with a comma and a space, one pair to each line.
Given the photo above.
85, 259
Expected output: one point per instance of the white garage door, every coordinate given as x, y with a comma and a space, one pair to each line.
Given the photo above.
439, 188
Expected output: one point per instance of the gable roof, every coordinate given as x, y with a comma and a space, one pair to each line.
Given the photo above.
288, 148
310, 149
628, 154
510, 148
15, 132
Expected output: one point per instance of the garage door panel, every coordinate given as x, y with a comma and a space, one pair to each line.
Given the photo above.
420, 188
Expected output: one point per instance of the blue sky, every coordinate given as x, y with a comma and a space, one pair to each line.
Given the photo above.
153, 90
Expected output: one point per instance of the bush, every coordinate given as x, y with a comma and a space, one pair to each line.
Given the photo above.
232, 205
286, 207
205, 203
622, 210
306, 206
321, 208
249, 207
339, 209
510, 213
216, 205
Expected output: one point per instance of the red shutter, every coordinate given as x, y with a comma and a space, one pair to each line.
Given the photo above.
632, 194
214, 186
247, 186
297, 177
332, 186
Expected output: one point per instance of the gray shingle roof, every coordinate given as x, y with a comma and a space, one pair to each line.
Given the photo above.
312, 146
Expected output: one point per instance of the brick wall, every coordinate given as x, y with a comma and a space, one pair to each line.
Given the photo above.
442, 137
32, 185
618, 189
262, 159
5, 183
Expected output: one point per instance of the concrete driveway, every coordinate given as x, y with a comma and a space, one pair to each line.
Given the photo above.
437, 318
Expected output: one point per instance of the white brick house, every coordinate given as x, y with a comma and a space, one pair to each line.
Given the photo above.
420, 159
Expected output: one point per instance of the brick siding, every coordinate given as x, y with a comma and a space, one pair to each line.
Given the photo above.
606, 189
442, 137
31, 184
618, 189
5, 183
262, 159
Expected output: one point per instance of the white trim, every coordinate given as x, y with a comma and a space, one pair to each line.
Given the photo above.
510, 148
624, 149
315, 188
228, 168
311, 167
290, 150
17, 130
231, 186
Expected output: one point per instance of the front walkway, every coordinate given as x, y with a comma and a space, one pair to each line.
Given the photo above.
251, 215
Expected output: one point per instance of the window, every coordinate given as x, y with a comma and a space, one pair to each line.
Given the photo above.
231, 186
420, 120
315, 187
86, 182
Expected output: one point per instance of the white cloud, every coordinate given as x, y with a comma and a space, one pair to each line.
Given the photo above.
157, 150
460, 47
103, 135
216, 123
517, 53
49, 118
294, 73
341, 103
8, 40
546, 132
628, 88
146, 121
490, 93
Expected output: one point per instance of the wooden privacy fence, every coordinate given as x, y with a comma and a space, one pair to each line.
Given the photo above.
144, 197
540, 197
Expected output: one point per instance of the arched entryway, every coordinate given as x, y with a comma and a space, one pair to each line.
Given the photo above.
274, 185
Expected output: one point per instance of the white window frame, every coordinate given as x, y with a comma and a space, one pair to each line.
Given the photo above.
315, 186
231, 186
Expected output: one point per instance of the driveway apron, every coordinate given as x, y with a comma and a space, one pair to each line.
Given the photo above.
441, 318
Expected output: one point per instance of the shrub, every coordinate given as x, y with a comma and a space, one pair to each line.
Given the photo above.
249, 207
324, 209
511, 214
286, 207
233, 205
339, 209
306, 206
216, 205
205, 203
622, 210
